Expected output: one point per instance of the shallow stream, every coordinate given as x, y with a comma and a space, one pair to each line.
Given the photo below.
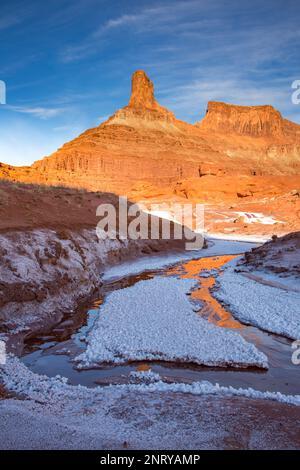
53, 354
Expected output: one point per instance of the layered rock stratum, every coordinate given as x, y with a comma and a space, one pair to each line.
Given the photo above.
235, 154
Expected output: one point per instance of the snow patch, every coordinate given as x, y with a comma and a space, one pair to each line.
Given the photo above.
153, 263
56, 393
147, 376
257, 218
154, 320
239, 237
266, 307
207, 388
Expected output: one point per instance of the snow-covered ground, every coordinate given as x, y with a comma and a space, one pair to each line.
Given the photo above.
284, 281
149, 412
154, 320
152, 414
269, 308
18, 378
238, 237
257, 218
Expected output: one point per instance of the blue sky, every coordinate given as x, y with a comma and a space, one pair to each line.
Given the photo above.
67, 64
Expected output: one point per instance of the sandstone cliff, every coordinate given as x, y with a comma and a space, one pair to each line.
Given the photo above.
143, 144
255, 121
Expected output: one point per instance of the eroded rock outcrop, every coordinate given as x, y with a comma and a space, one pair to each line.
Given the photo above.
254, 121
142, 93
143, 111
144, 145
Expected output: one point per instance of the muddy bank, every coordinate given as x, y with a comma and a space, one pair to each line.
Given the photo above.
46, 273
157, 415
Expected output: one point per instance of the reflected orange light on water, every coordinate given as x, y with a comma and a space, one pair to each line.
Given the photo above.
212, 309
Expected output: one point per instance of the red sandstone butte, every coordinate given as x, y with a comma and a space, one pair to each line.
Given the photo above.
236, 154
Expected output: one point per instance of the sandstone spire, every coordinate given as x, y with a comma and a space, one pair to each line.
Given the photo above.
143, 110
142, 91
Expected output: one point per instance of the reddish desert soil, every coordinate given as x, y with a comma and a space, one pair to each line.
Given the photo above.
3, 392
224, 197
31, 206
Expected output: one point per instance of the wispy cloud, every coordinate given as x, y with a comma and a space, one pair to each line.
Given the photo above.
156, 17
103, 118
39, 112
145, 20
82, 51
192, 98
119, 21
13, 14
10, 20
62, 128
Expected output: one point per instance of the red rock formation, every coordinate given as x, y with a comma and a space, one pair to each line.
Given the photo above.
143, 145
255, 121
142, 92
143, 111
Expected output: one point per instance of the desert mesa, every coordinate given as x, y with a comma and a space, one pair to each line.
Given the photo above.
236, 160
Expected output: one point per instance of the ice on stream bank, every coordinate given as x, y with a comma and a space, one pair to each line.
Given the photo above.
238, 237
154, 320
55, 393
269, 308
154, 263
49, 414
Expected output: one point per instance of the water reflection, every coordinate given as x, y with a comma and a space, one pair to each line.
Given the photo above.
200, 270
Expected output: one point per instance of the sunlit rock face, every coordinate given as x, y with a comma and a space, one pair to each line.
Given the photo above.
143, 111
142, 92
255, 121
143, 147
